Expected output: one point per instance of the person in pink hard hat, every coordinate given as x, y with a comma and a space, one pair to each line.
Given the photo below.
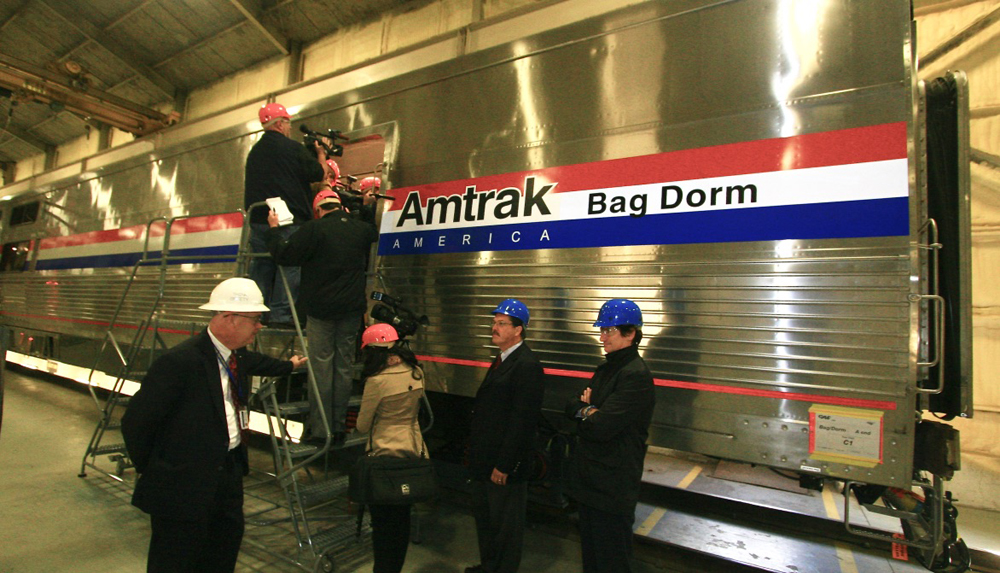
394, 387
278, 166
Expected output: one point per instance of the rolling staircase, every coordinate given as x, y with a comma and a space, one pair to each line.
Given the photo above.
132, 358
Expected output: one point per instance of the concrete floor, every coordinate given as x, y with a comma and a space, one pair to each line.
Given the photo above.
51, 520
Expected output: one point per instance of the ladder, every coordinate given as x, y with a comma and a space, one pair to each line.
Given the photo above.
307, 498
106, 439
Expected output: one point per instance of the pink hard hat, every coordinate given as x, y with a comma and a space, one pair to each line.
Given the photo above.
271, 112
370, 182
380, 334
324, 197
335, 169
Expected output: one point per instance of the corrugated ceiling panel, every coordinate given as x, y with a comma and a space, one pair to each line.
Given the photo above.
58, 125
38, 35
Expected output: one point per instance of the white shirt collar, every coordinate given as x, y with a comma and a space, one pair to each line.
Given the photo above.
506, 353
223, 351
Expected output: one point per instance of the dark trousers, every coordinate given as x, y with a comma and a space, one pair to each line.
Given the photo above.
209, 545
264, 272
499, 511
605, 541
390, 536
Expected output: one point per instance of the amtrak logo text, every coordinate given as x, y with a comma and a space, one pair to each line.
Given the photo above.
475, 205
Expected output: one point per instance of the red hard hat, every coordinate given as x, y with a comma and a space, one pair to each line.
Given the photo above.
369, 182
272, 111
380, 334
335, 169
325, 196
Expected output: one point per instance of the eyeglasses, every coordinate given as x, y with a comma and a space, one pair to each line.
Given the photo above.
502, 323
256, 319
606, 331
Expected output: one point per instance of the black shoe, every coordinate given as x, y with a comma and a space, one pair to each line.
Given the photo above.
475, 569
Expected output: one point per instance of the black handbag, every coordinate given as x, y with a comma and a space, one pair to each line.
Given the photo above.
391, 480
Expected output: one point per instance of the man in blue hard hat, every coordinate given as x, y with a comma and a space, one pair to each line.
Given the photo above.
613, 415
502, 441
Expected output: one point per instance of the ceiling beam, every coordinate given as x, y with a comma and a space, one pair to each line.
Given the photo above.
252, 11
68, 12
32, 83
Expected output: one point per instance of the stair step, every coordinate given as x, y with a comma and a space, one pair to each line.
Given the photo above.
316, 493
115, 425
290, 408
301, 450
354, 439
338, 535
109, 449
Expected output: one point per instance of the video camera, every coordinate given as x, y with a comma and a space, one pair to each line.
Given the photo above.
312, 137
391, 311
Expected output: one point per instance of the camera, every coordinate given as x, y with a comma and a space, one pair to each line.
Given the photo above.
311, 137
392, 311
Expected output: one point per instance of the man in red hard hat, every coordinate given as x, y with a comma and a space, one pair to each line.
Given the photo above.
278, 166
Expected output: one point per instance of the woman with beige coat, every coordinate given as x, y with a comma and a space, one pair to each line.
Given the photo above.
394, 388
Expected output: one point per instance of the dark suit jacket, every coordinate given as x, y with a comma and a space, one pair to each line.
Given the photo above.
505, 417
175, 427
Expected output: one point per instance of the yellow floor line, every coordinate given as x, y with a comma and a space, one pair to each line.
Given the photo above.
690, 477
846, 559
845, 556
650, 522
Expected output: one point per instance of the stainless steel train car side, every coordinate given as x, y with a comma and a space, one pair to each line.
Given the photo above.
774, 327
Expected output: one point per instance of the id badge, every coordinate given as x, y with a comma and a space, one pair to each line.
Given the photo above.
244, 419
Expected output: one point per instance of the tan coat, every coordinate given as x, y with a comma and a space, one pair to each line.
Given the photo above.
390, 403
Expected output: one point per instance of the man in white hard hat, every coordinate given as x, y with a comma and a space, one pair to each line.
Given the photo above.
279, 166
185, 432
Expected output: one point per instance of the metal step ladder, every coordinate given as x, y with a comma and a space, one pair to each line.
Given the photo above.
308, 498
132, 358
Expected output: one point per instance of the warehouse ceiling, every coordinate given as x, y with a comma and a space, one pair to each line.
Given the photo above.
69, 67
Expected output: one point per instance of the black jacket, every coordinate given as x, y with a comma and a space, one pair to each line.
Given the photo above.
280, 167
333, 253
505, 417
611, 443
175, 427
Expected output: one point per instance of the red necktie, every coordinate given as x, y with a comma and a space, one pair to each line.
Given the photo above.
234, 392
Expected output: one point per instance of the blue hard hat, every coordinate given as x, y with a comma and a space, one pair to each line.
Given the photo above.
513, 307
619, 311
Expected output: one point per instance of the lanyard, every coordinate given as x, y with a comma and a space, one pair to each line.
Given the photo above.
232, 378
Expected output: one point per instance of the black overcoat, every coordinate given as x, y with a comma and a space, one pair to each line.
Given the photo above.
175, 427
611, 444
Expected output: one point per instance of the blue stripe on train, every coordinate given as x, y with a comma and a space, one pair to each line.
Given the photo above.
220, 254
849, 219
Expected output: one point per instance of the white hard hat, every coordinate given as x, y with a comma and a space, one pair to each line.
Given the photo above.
236, 295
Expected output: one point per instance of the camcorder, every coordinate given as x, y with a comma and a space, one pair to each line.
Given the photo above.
311, 137
392, 311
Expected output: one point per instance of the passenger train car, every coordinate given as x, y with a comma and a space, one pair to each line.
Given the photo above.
755, 175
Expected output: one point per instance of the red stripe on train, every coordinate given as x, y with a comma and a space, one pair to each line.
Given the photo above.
180, 227
703, 387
